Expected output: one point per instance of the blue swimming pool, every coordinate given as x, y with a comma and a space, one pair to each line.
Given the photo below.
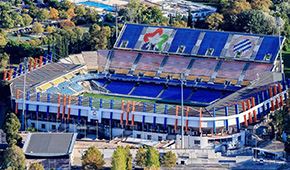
98, 5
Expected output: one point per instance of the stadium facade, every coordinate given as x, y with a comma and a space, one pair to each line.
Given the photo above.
230, 81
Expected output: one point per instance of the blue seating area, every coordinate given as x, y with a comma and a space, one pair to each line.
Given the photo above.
174, 93
63, 84
185, 37
76, 87
120, 87
149, 90
269, 45
100, 82
188, 38
51, 90
131, 34
215, 40
66, 91
205, 96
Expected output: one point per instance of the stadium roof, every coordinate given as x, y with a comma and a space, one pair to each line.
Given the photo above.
49, 144
196, 42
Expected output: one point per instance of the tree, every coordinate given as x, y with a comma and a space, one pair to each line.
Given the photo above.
255, 21
65, 5
66, 24
63, 14
214, 21
80, 10
42, 15
27, 20
153, 167
28, 2
92, 159
53, 14
70, 13
50, 29
169, 159
261, 4
234, 7
33, 11
141, 156
18, 21
7, 21
11, 126
36, 166
14, 158
129, 158
189, 20
119, 159
152, 158
37, 28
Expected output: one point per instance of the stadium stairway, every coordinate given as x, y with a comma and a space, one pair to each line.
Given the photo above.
256, 48
213, 76
189, 68
157, 75
241, 78
226, 47
109, 59
160, 93
198, 43
135, 64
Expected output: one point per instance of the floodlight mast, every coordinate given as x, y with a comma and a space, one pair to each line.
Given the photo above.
23, 99
279, 24
182, 117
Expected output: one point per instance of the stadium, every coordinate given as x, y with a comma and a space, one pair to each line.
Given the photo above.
223, 83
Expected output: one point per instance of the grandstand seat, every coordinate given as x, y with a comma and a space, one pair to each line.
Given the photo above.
215, 40
150, 62
256, 68
148, 90
185, 37
231, 69
66, 91
120, 87
63, 84
130, 34
176, 64
102, 58
91, 59
174, 93
76, 87
205, 96
123, 59
269, 45
51, 90
57, 81
45, 86
203, 67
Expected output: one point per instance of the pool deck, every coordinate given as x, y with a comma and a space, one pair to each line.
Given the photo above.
107, 2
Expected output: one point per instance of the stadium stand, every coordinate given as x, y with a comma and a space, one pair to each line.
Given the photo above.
214, 40
150, 62
102, 57
130, 34
206, 96
269, 45
120, 87
256, 68
66, 91
228, 71
174, 93
149, 90
57, 81
203, 67
91, 59
176, 64
45, 86
76, 87
186, 38
52, 90
63, 84
123, 59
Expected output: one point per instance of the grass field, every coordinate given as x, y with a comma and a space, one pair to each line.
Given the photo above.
286, 59
100, 96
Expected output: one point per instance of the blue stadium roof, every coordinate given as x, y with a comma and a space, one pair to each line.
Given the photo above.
194, 42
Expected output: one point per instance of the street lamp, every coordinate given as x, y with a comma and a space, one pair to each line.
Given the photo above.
97, 130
